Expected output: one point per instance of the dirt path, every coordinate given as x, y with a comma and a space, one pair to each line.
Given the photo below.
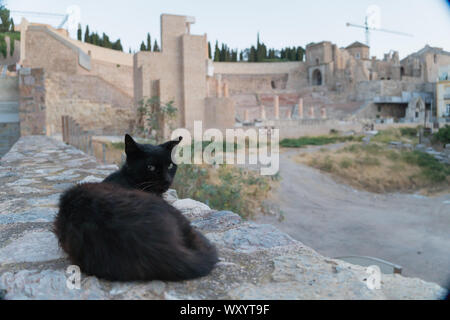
337, 220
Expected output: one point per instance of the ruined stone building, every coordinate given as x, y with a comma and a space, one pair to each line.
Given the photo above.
101, 88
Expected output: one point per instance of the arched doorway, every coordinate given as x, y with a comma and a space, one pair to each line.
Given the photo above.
317, 78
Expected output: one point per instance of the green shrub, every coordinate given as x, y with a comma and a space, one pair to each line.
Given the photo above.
315, 141
409, 132
443, 134
432, 169
233, 188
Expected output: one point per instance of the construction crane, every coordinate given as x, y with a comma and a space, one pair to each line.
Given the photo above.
372, 22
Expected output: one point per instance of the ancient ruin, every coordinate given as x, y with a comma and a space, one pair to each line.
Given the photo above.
101, 88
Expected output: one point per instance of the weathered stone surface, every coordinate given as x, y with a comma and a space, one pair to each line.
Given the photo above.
256, 261
191, 208
31, 247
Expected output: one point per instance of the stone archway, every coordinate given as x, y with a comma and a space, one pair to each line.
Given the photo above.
316, 78
416, 110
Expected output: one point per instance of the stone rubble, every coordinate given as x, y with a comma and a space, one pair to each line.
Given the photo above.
256, 261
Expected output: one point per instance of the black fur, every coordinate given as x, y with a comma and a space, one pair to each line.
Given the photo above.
135, 173
114, 231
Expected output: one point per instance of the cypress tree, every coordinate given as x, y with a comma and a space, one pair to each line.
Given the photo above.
86, 35
155, 46
216, 52
241, 56
79, 33
209, 50
149, 42
143, 48
117, 45
252, 55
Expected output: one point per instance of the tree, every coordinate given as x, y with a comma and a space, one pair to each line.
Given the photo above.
209, 50
149, 42
300, 53
155, 46
5, 25
79, 33
252, 55
216, 52
117, 45
143, 47
87, 35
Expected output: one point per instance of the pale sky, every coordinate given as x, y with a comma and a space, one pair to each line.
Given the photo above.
280, 23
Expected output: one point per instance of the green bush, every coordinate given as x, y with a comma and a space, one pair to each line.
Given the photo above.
409, 132
431, 168
316, 141
443, 134
234, 189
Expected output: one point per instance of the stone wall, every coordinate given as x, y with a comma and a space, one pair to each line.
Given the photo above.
45, 47
219, 113
32, 108
94, 103
256, 261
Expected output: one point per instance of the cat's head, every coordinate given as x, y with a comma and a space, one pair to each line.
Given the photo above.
150, 167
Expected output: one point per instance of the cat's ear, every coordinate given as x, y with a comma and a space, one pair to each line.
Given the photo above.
169, 145
131, 147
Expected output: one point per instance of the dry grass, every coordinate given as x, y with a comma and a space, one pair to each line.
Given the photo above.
377, 168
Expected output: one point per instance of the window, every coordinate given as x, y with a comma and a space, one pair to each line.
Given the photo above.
357, 55
447, 109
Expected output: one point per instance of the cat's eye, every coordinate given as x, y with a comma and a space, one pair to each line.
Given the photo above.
170, 166
151, 168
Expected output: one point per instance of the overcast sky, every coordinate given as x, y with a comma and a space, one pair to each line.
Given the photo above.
280, 22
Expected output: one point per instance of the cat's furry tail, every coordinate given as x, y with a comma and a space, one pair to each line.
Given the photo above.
120, 234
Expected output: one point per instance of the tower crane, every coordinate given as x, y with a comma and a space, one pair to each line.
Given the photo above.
371, 23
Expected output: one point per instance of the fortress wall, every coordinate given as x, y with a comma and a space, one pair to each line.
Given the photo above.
120, 76
255, 67
104, 54
194, 77
44, 51
94, 103
53, 55
266, 77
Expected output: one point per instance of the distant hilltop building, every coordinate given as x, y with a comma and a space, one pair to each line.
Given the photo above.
101, 88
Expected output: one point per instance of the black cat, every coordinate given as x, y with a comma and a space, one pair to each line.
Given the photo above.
122, 229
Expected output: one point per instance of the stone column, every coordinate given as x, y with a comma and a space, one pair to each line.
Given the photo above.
276, 107
246, 117
311, 112
323, 113
218, 88
300, 108
225, 90
262, 112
